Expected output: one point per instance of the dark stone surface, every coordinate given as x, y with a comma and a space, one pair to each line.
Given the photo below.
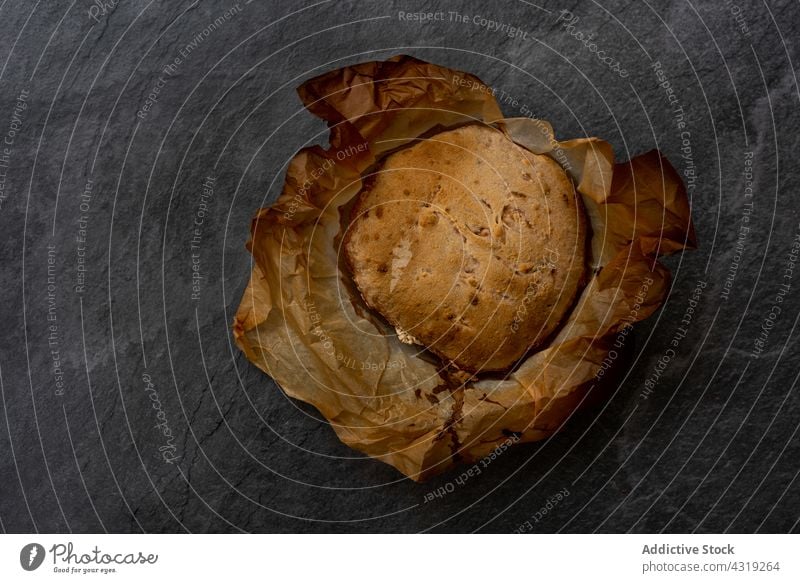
713, 448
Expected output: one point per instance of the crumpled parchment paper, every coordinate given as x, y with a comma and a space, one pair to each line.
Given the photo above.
302, 322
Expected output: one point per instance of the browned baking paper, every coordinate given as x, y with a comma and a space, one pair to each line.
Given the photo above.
301, 323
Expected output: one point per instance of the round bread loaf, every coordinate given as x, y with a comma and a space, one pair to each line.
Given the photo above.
469, 245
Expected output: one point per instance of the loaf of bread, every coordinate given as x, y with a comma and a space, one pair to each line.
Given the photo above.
469, 245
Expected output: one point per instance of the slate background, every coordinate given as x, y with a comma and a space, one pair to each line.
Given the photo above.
713, 449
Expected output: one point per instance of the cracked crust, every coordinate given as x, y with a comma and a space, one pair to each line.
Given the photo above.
470, 244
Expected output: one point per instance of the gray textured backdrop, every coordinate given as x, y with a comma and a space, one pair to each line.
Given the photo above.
100, 191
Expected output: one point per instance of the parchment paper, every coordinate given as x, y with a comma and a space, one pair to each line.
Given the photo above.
302, 322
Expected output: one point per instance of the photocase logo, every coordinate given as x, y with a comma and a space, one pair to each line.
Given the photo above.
101, 8
31, 556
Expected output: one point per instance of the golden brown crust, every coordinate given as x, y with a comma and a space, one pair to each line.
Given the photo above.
469, 243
